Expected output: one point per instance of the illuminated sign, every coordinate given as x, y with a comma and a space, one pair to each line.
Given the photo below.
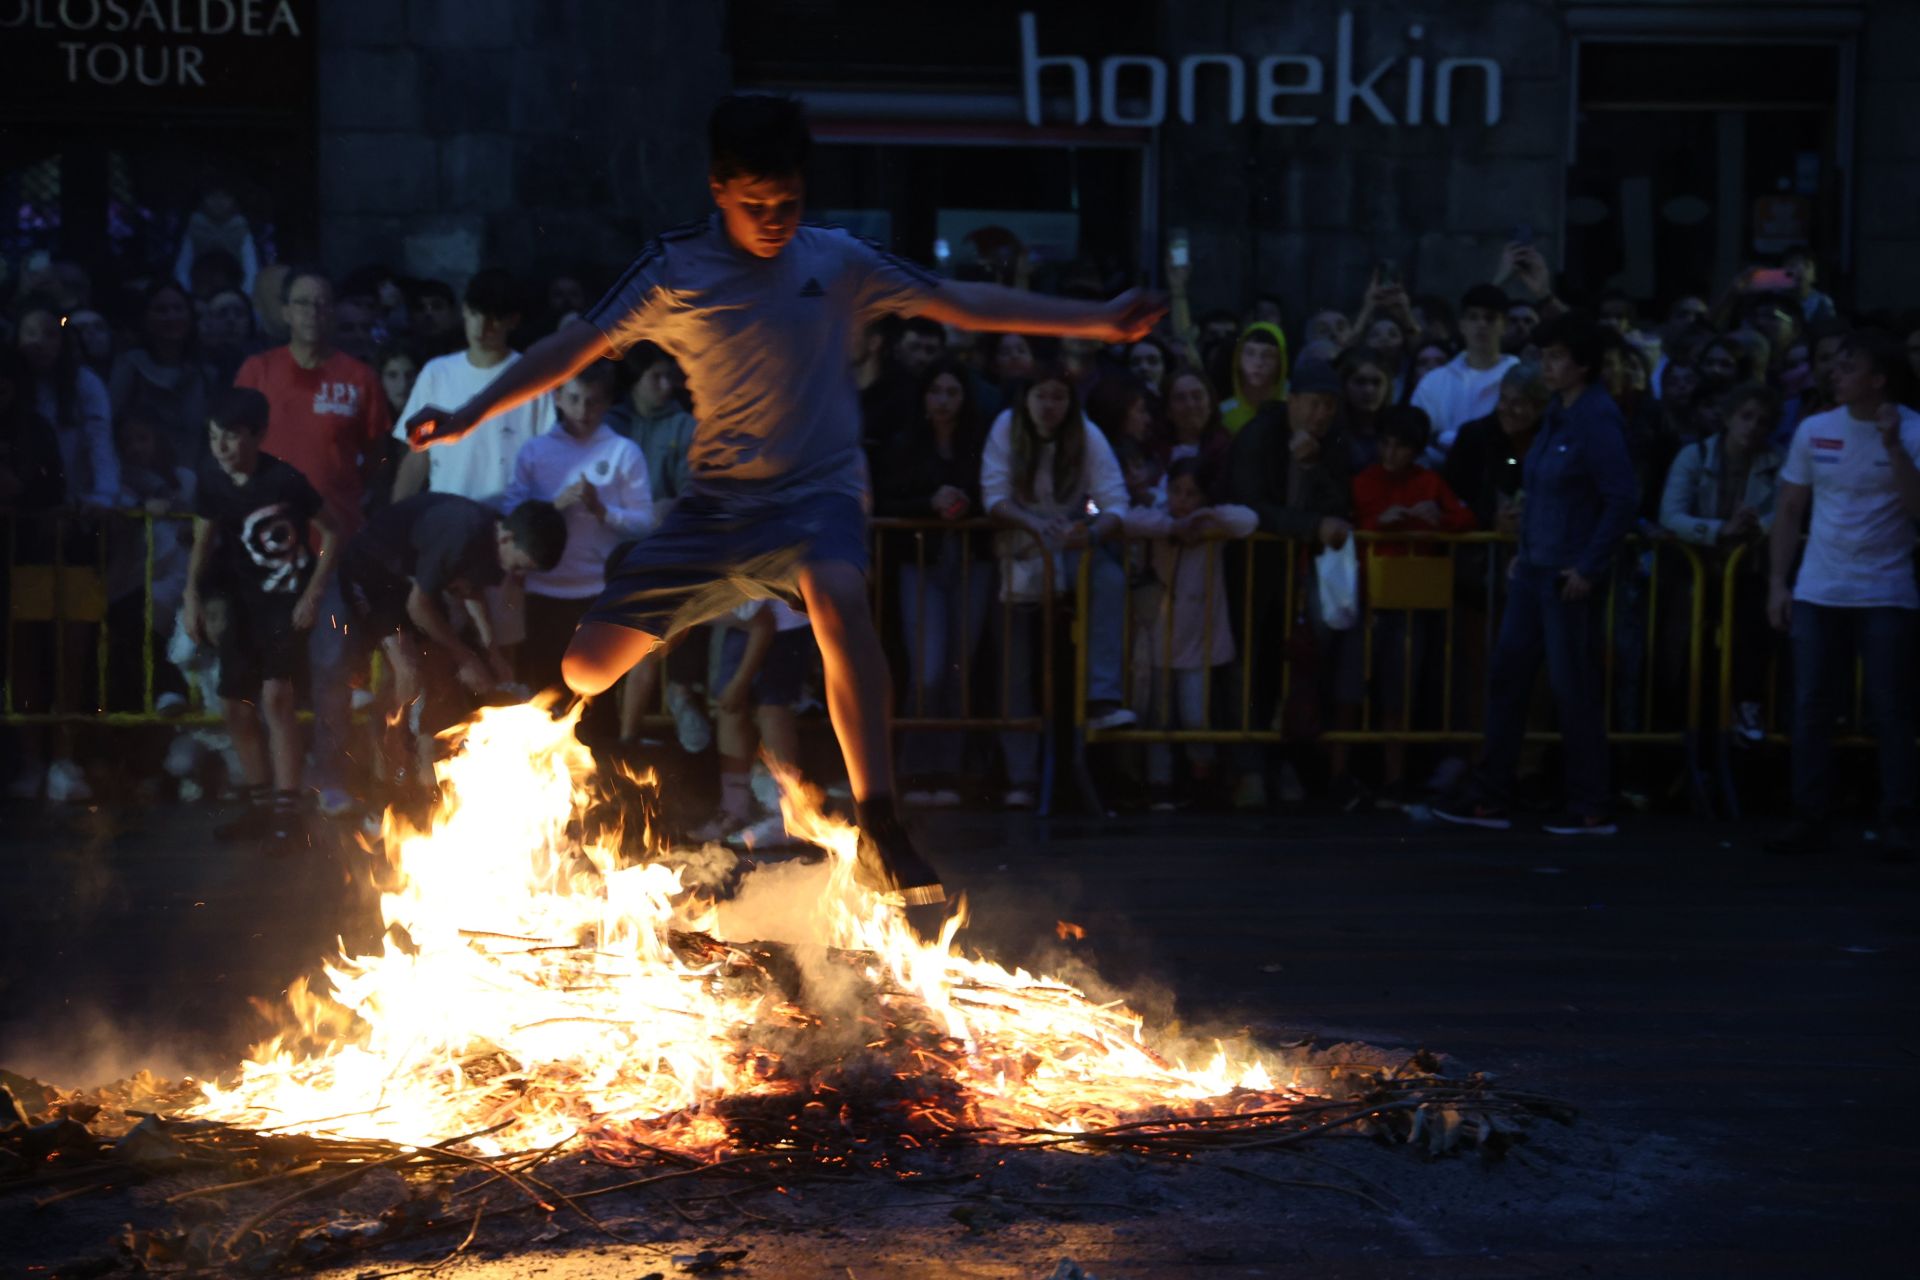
1284, 88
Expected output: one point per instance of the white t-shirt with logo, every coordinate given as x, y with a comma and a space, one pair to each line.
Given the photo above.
1455, 394
1860, 543
479, 465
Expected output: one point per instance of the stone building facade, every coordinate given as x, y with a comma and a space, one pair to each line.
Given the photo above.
1651, 145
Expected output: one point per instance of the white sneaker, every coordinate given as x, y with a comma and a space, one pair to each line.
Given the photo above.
1018, 798
27, 784
170, 703
1113, 718
690, 724
66, 784
768, 833
191, 792
766, 792
1748, 727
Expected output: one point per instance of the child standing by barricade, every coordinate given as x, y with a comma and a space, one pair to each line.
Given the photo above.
1398, 495
1187, 633
255, 511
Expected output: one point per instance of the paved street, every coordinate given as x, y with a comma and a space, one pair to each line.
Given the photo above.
1738, 1032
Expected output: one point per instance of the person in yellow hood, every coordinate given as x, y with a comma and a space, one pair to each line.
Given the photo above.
1259, 374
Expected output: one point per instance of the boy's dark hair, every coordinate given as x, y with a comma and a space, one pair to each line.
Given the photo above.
1885, 354
1405, 424
1189, 467
926, 327
538, 529
303, 271
642, 356
599, 374
1129, 452
757, 135
396, 347
241, 409
1577, 331
1488, 297
364, 281
495, 294
1741, 392
1259, 335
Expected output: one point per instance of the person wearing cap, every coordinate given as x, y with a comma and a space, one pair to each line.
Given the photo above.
1467, 386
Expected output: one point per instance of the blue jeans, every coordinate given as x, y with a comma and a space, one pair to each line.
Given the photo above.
943, 611
329, 661
1105, 628
1824, 641
1538, 624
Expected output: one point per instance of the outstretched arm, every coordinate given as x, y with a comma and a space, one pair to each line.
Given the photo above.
991, 307
546, 364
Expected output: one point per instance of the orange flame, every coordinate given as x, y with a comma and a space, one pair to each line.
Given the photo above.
528, 979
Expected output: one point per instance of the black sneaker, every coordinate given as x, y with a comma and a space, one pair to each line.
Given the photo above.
1799, 840
1580, 824
890, 866
1473, 813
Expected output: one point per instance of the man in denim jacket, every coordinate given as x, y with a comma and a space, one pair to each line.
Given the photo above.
1579, 502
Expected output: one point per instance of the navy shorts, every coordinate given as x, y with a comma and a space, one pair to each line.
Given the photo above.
782, 676
708, 558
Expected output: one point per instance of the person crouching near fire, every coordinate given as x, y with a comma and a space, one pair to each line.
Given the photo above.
252, 544
397, 577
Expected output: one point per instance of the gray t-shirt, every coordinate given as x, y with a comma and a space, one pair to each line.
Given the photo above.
767, 345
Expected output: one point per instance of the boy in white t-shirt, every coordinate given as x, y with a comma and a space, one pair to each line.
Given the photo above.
597, 479
480, 464
1856, 466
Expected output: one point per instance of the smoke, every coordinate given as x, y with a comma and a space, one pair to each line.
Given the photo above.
83, 1048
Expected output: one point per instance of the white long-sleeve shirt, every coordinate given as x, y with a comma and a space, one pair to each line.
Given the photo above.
617, 470
1100, 476
1454, 395
1183, 588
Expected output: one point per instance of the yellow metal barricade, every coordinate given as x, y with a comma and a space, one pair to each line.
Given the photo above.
1427, 580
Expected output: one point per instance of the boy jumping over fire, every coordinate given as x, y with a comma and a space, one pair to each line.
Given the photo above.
762, 311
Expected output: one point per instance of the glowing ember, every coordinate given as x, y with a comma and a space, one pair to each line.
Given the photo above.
531, 986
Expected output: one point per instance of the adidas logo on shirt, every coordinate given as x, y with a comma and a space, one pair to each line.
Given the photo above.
812, 289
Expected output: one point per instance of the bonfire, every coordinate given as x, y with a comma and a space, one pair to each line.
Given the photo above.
534, 984
555, 992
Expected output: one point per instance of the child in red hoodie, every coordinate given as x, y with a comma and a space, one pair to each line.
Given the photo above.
1398, 495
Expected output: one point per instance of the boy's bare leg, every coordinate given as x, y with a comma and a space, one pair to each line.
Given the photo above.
858, 686
858, 689
600, 653
636, 691
403, 660
249, 743
288, 753
779, 736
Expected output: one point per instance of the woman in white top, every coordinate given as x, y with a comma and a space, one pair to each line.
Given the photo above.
1050, 475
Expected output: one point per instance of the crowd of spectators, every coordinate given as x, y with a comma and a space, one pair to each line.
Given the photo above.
1590, 435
